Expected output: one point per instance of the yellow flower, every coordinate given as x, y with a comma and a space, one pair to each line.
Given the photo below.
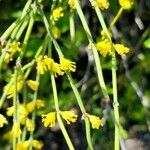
67, 65
11, 90
102, 4
33, 84
104, 47
30, 125
49, 119
69, 116
57, 13
23, 145
14, 47
121, 49
56, 32
37, 144
30, 106
2, 121
55, 67
40, 103
10, 111
126, 4
71, 3
41, 67
23, 113
48, 61
95, 121
8, 58
16, 131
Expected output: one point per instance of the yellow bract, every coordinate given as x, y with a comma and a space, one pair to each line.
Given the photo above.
57, 13
2, 121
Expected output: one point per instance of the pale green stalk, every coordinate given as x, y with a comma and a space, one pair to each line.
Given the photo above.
95, 53
62, 127
79, 100
18, 21
114, 77
15, 104
34, 112
116, 18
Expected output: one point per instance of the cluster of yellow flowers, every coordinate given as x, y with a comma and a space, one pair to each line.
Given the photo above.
45, 63
70, 117
26, 144
10, 89
13, 48
24, 112
105, 48
50, 118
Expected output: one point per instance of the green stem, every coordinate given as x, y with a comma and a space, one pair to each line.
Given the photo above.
18, 21
115, 101
79, 100
27, 36
88, 133
49, 33
34, 112
95, 53
15, 104
116, 18
114, 80
62, 127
